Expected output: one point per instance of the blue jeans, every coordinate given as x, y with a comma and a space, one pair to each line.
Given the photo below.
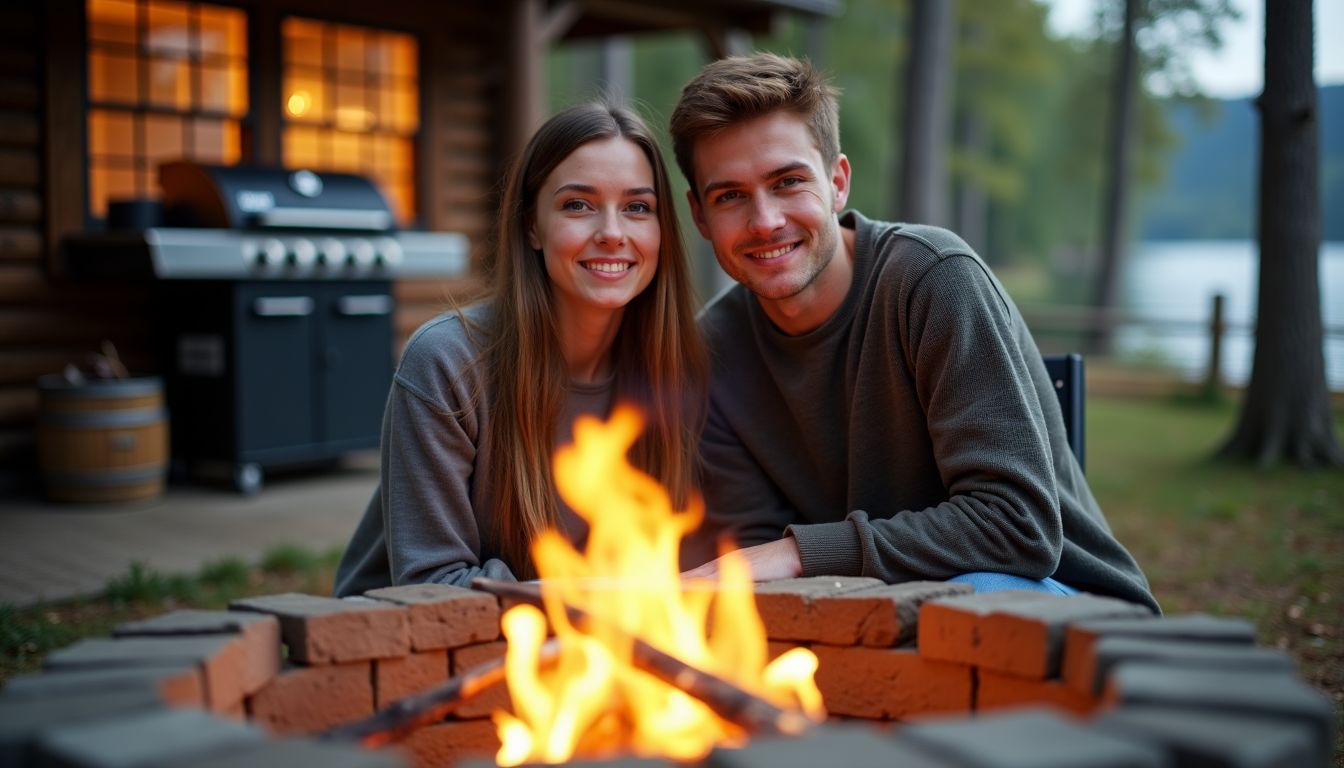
988, 581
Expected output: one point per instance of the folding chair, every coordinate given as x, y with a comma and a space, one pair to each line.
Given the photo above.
1066, 371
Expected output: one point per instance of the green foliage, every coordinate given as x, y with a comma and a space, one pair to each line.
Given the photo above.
143, 585
1044, 104
289, 559
27, 636
229, 574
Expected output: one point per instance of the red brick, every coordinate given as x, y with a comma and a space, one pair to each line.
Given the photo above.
326, 630
1027, 639
948, 627
846, 611
447, 744
1079, 666
1018, 632
442, 616
773, 649
259, 633
889, 683
996, 690
786, 605
397, 678
493, 697
304, 700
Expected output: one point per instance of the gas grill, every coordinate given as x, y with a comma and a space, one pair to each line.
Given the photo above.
273, 300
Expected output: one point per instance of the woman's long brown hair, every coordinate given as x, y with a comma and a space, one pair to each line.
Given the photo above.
658, 359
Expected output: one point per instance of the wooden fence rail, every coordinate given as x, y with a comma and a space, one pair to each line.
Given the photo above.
1046, 320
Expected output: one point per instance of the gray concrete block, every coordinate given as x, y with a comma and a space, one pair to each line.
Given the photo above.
1079, 640
94, 652
164, 737
853, 746
24, 718
1199, 627
1029, 738
176, 684
259, 634
192, 622
295, 753
223, 660
1109, 652
1218, 740
1261, 694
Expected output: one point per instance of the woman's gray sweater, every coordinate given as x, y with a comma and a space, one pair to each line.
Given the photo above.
430, 519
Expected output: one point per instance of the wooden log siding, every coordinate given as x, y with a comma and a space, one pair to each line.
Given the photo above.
22, 243
47, 321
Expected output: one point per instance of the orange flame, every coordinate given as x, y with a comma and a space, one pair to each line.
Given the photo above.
593, 702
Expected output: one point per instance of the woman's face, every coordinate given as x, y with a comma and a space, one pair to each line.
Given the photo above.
597, 226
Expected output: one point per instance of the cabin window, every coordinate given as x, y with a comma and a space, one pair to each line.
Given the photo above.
166, 81
351, 103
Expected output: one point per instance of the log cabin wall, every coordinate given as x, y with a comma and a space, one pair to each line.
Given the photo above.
48, 320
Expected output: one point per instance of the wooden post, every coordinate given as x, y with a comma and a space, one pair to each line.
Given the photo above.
526, 59
1213, 379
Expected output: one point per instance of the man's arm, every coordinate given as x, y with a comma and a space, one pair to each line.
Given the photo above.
971, 372
742, 506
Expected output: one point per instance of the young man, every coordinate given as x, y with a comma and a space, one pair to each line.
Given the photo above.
878, 407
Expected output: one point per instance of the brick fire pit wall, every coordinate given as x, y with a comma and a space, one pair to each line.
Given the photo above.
1051, 681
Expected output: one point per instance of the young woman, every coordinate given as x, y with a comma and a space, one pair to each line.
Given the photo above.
590, 305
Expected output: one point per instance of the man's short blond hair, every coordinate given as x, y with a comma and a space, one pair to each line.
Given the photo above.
739, 88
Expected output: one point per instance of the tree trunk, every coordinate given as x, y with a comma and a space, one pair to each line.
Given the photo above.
928, 102
1286, 413
972, 203
1115, 208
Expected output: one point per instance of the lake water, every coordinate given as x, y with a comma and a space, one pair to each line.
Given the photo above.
1176, 280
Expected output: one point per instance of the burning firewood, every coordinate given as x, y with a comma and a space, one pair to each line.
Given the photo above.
742, 708
404, 715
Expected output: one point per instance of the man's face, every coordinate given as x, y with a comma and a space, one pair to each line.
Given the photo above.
767, 202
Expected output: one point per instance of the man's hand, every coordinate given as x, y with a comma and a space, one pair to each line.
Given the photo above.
768, 562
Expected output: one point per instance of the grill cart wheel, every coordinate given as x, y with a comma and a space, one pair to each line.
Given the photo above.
247, 478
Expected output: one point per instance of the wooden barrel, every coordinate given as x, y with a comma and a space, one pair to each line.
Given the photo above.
102, 440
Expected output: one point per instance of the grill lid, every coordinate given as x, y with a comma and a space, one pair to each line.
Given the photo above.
253, 197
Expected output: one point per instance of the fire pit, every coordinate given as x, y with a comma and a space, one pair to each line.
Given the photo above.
914, 674
912, 660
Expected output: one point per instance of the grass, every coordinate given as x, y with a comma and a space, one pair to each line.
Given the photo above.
27, 634
1267, 545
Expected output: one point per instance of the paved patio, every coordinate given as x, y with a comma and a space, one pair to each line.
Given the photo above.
54, 551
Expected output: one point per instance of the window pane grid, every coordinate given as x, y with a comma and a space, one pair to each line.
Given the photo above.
351, 104
167, 80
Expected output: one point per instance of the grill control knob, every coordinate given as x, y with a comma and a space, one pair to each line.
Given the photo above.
389, 252
270, 252
302, 253
361, 253
331, 252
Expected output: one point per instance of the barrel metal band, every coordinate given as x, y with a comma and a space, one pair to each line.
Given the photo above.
137, 417
105, 478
